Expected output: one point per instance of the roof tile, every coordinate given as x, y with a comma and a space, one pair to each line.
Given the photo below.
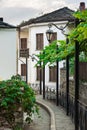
58, 15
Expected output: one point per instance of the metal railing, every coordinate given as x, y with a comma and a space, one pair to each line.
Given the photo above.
35, 87
82, 110
50, 93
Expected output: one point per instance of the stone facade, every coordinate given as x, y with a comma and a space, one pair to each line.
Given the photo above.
82, 86
62, 75
18, 120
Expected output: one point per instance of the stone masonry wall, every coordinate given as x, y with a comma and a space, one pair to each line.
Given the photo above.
82, 86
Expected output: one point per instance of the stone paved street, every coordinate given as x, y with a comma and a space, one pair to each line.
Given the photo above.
42, 123
62, 121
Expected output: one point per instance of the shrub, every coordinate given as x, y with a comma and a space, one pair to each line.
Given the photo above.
15, 93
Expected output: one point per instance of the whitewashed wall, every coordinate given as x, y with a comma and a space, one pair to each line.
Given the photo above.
22, 34
39, 28
7, 53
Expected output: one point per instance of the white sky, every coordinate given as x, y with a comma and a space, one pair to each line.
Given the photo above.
15, 11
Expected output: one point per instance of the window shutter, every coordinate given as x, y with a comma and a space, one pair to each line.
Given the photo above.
54, 36
52, 73
23, 43
49, 73
55, 72
38, 73
39, 41
23, 69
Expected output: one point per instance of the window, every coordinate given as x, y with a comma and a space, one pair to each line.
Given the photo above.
39, 41
23, 43
23, 47
23, 69
52, 73
38, 73
54, 36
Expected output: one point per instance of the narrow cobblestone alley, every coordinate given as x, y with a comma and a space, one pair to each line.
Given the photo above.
41, 123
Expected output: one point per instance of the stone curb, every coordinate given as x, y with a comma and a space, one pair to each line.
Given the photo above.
51, 113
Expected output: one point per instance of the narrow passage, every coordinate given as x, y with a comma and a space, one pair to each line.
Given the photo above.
42, 123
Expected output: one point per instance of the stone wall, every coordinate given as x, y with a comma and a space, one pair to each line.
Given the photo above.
62, 75
82, 86
4, 125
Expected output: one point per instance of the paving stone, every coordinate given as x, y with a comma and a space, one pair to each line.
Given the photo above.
63, 122
42, 123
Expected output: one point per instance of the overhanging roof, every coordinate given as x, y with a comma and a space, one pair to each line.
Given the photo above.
63, 14
6, 25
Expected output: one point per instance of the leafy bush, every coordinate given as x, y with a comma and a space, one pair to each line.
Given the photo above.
16, 77
82, 58
15, 93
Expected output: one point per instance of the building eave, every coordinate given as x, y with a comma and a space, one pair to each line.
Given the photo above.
4, 25
63, 14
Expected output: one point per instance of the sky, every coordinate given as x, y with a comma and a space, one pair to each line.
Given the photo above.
16, 11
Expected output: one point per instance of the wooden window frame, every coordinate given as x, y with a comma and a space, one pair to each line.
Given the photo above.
38, 73
52, 73
23, 43
23, 69
39, 41
54, 37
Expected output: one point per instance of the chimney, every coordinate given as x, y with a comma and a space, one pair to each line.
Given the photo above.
82, 6
1, 19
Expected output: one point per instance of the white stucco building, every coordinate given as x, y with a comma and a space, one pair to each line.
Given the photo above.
7, 50
33, 34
